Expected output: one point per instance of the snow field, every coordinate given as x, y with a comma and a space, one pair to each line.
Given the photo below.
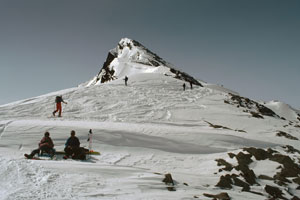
143, 131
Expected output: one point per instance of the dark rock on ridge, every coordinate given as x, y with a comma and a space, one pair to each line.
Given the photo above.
221, 196
253, 107
284, 134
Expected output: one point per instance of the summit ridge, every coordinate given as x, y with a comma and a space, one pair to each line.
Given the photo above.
131, 57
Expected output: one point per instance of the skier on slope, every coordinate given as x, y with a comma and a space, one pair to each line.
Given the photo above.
45, 145
58, 101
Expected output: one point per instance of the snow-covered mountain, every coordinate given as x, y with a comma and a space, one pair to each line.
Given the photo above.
211, 140
131, 58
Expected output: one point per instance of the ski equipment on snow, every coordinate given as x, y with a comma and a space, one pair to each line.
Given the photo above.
90, 138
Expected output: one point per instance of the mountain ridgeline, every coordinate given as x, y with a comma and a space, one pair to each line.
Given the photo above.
130, 58
130, 54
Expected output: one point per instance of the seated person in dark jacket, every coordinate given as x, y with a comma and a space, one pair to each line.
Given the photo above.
46, 145
73, 148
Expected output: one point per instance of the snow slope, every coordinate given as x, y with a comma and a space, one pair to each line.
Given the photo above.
283, 110
143, 131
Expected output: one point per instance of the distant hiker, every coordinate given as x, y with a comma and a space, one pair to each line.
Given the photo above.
126, 79
45, 146
58, 101
183, 86
191, 84
72, 148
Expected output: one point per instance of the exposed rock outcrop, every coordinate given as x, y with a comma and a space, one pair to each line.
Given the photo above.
221, 196
288, 175
254, 108
135, 52
284, 134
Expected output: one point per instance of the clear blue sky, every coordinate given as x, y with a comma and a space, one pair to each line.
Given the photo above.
252, 47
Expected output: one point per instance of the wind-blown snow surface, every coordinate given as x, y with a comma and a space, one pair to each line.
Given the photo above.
143, 131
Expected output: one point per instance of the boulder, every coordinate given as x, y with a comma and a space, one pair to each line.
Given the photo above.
295, 198
290, 169
291, 149
222, 162
240, 183
225, 182
259, 154
256, 115
297, 180
168, 179
265, 177
284, 134
244, 159
221, 196
274, 192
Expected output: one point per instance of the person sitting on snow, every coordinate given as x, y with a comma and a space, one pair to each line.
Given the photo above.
46, 145
73, 148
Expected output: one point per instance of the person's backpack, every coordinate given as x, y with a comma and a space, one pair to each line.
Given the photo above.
58, 99
80, 153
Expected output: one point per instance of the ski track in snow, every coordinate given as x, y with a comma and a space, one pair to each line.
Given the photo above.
3, 128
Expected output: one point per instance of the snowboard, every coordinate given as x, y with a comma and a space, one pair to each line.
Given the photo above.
38, 158
89, 153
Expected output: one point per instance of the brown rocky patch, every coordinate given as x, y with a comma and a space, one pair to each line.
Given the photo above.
297, 180
288, 167
291, 149
221, 196
284, 134
240, 183
244, 159
256, 115
225, 182
274, 192
259, 154
252, 106
222, 162
168, 180
217, 126
265, 177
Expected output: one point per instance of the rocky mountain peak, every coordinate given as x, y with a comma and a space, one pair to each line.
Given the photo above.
131, 57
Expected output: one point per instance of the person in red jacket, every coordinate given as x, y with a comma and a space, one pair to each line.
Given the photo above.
58, 101
45, 145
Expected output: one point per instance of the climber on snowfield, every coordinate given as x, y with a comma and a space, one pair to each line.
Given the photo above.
58, 101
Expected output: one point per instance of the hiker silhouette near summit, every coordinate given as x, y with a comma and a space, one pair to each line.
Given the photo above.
191, 84
126, 79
